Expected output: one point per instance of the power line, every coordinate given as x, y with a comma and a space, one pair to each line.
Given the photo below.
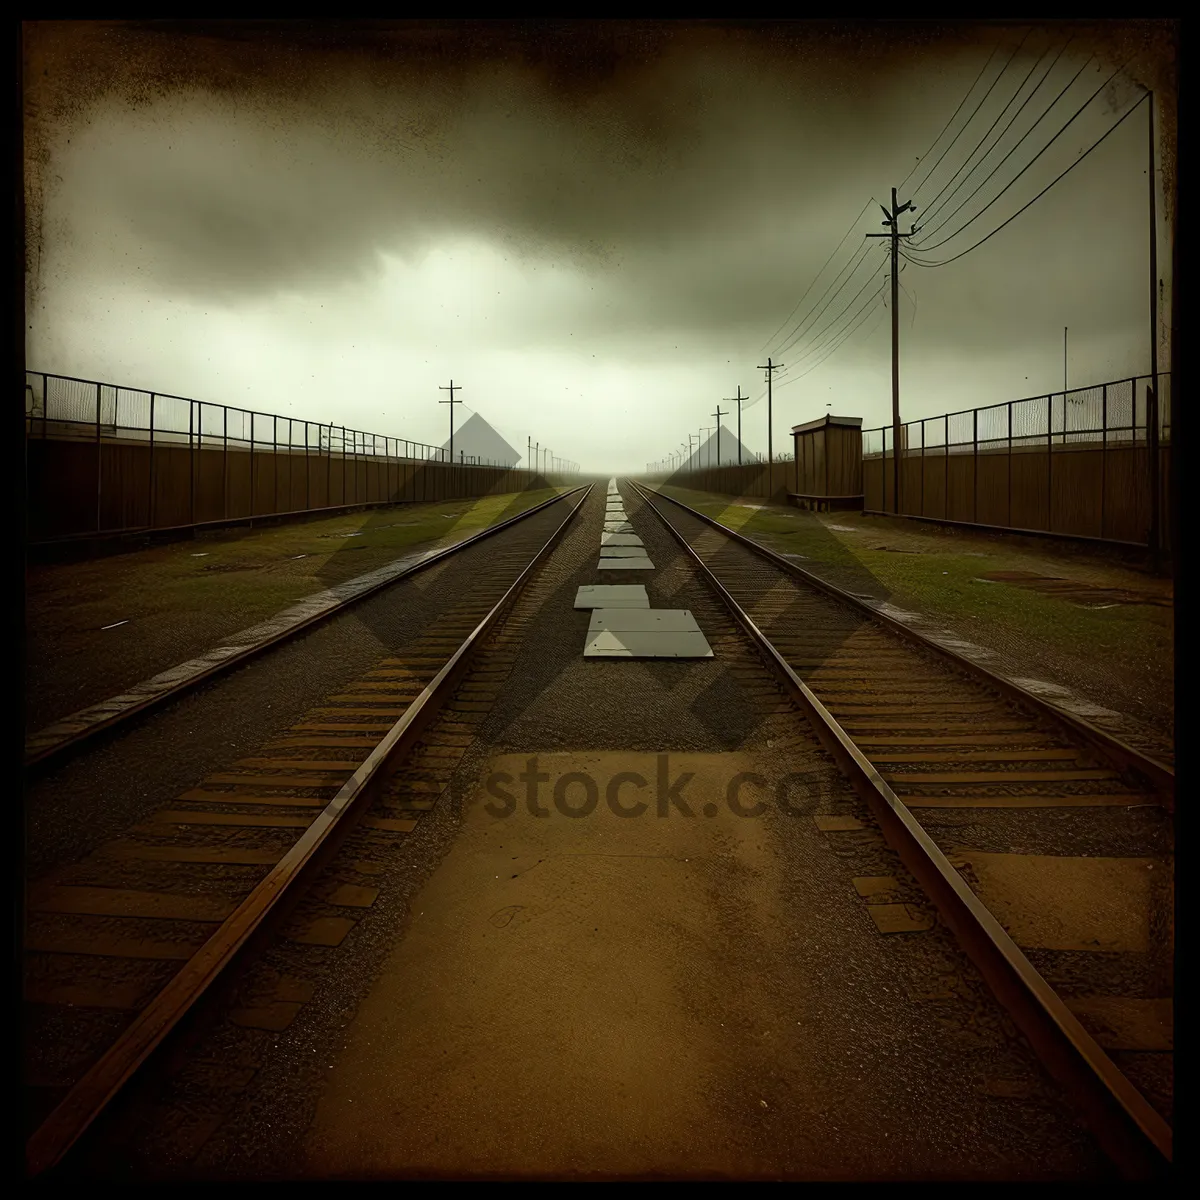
918, 263
949, 237
823, 305
852, 300
819, 273
841, 339
932, 205
937, 139
975, 110
816, 310
946, 221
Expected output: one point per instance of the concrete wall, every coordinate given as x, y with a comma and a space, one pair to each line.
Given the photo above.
78, 487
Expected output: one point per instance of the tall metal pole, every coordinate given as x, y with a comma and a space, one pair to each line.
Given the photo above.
1064, 360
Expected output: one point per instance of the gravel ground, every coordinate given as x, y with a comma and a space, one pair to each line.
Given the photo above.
752, 1021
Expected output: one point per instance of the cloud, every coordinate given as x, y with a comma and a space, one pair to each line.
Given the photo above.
629, 194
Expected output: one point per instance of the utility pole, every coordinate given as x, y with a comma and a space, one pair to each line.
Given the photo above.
689, 457
707, 429
1064, 364
770, 369
739, 398
719, 414
890, 221
452, 402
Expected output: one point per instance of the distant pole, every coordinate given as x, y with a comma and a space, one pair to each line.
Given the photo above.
719, 414
739, 398
1064, 362
891, 221
770, 369
452, 402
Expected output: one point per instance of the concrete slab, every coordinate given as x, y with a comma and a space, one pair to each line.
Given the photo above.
605, 643
625, 564
644, 620
607, 551
612, 595
620, 539
1051, 902
617, 527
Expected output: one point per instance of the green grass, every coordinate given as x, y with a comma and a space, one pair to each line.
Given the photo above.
253, 573
1133, 639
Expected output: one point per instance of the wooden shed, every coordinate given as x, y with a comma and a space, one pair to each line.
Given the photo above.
829, 472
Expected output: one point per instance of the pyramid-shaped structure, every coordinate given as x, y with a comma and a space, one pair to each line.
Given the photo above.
706, 454
477, 441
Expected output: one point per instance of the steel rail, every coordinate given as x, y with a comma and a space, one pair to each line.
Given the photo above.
95, 1091
1129, 1129
1158, 775
68, 745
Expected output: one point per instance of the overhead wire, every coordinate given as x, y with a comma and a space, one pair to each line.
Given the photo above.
817, 312
817, 346
919, 263
950, 217
925, 249
933, 205
916, 166
843, 337
982, 100
820, 272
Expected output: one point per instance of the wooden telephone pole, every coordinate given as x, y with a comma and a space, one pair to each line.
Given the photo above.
739, 398
719, 414
452, 402
770, 369
891, 221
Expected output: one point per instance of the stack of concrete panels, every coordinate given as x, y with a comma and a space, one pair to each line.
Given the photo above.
623, 624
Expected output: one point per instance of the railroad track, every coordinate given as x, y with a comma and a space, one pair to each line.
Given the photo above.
947, 754
48, 747
121, 948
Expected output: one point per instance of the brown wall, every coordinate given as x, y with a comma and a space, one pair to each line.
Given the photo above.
756, 479
1081, 490
79, 487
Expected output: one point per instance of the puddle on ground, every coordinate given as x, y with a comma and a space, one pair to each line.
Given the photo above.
1088, 595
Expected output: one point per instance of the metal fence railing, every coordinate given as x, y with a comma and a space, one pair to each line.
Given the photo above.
1114, 412
1127, 420
90, 409
102, 457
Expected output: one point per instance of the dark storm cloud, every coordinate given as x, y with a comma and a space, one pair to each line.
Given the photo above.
275, 158
700, 174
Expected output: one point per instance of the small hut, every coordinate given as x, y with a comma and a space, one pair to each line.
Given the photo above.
829, 471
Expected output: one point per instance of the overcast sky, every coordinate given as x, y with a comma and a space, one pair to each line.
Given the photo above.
598, 232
